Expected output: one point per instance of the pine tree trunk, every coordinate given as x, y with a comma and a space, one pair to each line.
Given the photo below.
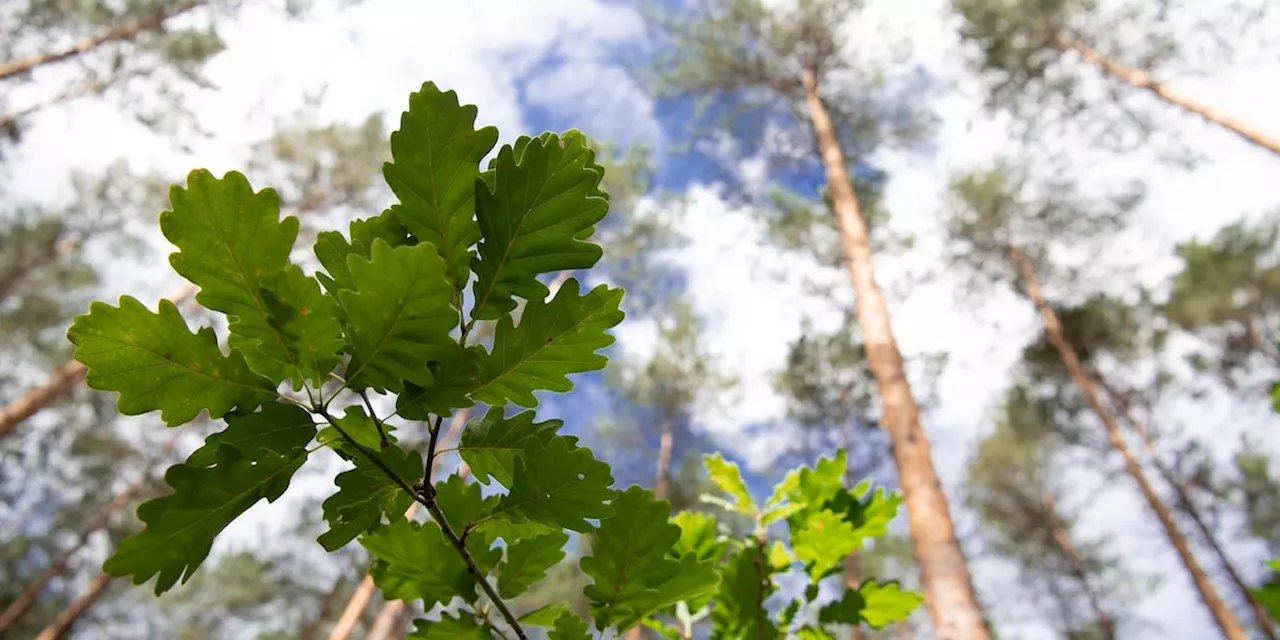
662, 485
1188, 507
1141, 80
32, 591
1222, 615
311, 628
1068, 548
68, 616
389, 624
357, 602
124, 32
945, 576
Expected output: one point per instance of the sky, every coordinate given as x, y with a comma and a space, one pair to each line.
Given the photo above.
562, 63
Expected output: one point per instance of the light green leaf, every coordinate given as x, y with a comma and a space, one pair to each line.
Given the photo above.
417, 562
632, 575
307, 321
156, 363
278, 427
181, 526
744, 586
365, 495
462, 627
557, 484
455, 378
529, 219
436, 157
813, 633
399, 323
553, 340
726, 475
779, 558
357, 424
544, 616
1268, 594
490, 445
823, 543
876, 603
698, 536
230, 241
527, 562
569, 627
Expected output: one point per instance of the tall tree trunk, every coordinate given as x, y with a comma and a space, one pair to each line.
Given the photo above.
123, 32
662, 485
945, 576
1221, 613
1068, 548
68, 616
1187, 506
32, 591
389, 625
1141, 80
311, 628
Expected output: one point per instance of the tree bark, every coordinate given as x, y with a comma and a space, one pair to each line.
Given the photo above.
31, 592
1188, 507
945, 576
390, 622
311, 628
68, 616
662, 485
123, 32
1222, 614
1068, 548
1141, 80
57, 386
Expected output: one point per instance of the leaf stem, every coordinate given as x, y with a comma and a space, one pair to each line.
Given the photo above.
473, 568
324, 413
382, 432
431, 452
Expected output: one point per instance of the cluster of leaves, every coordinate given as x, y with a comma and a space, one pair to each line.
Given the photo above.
389, 313
811, 523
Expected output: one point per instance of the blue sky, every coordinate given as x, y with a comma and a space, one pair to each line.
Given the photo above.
563, 63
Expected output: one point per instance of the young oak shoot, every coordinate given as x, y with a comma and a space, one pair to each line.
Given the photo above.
389, 312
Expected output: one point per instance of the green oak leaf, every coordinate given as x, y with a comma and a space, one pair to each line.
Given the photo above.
810, 488
332, 249
278, 427
870, 516
632, 575
557, 484
181, 527
745, 584
813, 633
436, 157
455, 377
527, 562
155, 363
1268, 595
462, 627
823, 542
698, 536
876, 603
365, 495
360, 427
399, 323
230, 241
490, 445
417, 562
569, 627
307, 320
462, 504
553, 340
726, 475
544, 616
538, 202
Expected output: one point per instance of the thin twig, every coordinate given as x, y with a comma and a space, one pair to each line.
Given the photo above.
382, 432
431, 455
